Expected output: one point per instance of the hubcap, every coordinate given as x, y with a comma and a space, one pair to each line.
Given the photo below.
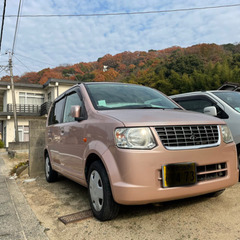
96, 190
47, 167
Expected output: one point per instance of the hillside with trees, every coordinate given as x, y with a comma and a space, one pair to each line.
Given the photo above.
173, 70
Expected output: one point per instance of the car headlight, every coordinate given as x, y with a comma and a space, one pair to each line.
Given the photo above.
138, 138
226, 134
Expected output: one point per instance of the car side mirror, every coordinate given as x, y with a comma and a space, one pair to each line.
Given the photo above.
210, 111
76, 112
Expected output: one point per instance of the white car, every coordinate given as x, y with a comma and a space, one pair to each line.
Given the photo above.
220, 103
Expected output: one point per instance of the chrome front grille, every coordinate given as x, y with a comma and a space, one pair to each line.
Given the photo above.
187, 137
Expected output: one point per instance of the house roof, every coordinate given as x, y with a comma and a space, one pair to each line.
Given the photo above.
54, 80
25, 85
39, 86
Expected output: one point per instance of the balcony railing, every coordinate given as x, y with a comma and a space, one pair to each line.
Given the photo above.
30, 109
44, 108
24, 108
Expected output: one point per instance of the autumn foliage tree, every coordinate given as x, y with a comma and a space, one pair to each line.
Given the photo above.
172, 70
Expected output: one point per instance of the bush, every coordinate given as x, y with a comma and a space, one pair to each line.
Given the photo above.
1, 144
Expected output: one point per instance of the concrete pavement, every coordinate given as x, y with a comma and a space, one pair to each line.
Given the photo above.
17, 220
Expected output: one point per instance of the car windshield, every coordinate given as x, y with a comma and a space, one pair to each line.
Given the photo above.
231, 98
127, 96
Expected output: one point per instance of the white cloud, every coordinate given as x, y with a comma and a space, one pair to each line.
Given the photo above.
62, 40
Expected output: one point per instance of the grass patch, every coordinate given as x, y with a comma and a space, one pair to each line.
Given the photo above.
16, 167
20, 160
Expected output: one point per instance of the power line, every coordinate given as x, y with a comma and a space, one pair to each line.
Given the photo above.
122, 13
3, 16
4, 68
23, 63
35, 60
17, 69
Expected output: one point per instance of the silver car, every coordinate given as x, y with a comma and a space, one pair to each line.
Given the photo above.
222, 104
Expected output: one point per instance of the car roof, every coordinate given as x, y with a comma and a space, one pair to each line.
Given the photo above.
199, 93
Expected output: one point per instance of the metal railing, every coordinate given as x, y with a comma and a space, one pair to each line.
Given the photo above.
38, 110
44, 108
24, 108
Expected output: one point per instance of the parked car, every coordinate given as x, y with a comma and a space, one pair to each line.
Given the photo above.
222, 104
230, 86
131, 144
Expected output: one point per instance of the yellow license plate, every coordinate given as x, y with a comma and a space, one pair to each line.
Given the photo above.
179, 174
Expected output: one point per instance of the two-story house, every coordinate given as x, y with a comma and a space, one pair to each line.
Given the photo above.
32, 102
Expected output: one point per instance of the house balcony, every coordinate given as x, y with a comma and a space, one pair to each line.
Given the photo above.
27, 109
45, 108
24, 109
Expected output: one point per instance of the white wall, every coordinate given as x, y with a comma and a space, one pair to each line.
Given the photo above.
5, 101
10, 130
18, 90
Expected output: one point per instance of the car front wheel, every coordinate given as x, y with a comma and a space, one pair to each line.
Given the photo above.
100, 195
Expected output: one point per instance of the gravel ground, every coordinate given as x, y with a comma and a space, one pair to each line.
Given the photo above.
194, 218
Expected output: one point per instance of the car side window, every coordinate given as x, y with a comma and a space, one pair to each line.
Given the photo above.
197, 104
56, 112
72, 100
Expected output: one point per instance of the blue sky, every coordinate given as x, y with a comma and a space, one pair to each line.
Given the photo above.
68, 40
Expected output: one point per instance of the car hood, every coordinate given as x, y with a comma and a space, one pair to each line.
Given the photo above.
155, 117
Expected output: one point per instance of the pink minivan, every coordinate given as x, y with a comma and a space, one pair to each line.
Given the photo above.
130, 144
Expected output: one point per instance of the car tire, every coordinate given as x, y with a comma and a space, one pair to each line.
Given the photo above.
100, 195
51, 175
215, 194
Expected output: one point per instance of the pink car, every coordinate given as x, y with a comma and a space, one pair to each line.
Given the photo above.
131, 144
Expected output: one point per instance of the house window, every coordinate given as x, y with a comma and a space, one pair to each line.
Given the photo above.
31, 98
23, 132
49, 97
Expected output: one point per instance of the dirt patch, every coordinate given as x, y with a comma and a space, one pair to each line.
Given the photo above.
13, 164
195, 218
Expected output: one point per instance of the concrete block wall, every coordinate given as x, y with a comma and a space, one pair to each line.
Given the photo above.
18, 146
36, 146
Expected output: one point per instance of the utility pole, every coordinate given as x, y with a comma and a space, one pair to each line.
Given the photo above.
13, 99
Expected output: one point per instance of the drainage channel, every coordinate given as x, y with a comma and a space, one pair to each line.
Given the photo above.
75, 217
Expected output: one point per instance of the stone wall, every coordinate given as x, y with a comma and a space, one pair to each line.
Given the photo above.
36, 147
18, 146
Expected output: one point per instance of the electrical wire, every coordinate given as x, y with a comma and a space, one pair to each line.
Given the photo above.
122, 13
17, 69
35, 60
4, 69
3, 17
23, 64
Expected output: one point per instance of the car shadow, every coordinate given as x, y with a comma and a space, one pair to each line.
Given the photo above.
130, 211
71, 193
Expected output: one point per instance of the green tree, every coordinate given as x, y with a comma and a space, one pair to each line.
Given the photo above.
87, 77
68, 72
